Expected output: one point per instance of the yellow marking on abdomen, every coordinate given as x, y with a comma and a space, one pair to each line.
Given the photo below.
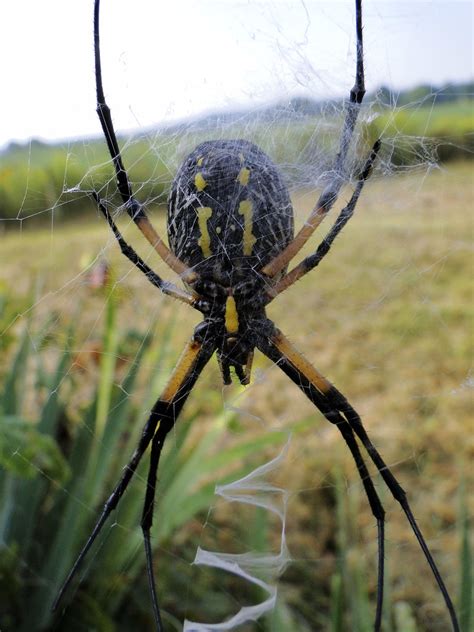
199, 181
249, 239
182, 370
301, 363
244, 176
204, 242
231, 316
199, 162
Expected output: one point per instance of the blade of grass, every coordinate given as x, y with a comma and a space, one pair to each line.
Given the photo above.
337, 603
110, 342
342, 538
14, 388
30, 494
466, 577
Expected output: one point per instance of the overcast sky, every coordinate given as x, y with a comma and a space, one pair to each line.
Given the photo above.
166, 60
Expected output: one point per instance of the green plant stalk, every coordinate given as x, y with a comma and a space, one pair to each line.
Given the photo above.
7, 506
466, 562
337, 603
342, 538
106, 382
14, 390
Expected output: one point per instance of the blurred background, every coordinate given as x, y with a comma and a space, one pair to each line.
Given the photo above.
86, 347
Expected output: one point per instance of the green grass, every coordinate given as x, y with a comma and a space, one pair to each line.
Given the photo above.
446, 120
41, 183
58, 470
387, 317
418, 134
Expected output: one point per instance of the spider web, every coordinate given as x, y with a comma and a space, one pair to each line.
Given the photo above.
384, 317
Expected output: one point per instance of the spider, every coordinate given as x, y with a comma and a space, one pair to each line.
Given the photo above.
231, 238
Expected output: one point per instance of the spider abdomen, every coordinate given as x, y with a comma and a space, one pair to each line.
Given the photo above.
229, 209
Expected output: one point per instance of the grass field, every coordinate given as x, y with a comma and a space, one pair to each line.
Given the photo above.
387, 317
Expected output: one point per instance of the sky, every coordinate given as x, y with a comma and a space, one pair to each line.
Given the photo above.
165, 61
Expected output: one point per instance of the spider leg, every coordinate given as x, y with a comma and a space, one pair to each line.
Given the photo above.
331, 191
135, 210
147, 520
353, 418
176, 393
165, 286
303, 374
162, 418
322, 250
337, 410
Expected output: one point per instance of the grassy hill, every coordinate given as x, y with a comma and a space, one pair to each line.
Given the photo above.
41, 182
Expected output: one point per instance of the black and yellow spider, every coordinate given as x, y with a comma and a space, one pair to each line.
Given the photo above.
230, 232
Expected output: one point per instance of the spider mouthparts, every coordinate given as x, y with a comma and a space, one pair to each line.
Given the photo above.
242, 371
239, 369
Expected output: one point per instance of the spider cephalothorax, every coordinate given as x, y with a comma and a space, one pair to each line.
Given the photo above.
230, 231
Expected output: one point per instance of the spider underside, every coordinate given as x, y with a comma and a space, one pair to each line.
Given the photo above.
231, 237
